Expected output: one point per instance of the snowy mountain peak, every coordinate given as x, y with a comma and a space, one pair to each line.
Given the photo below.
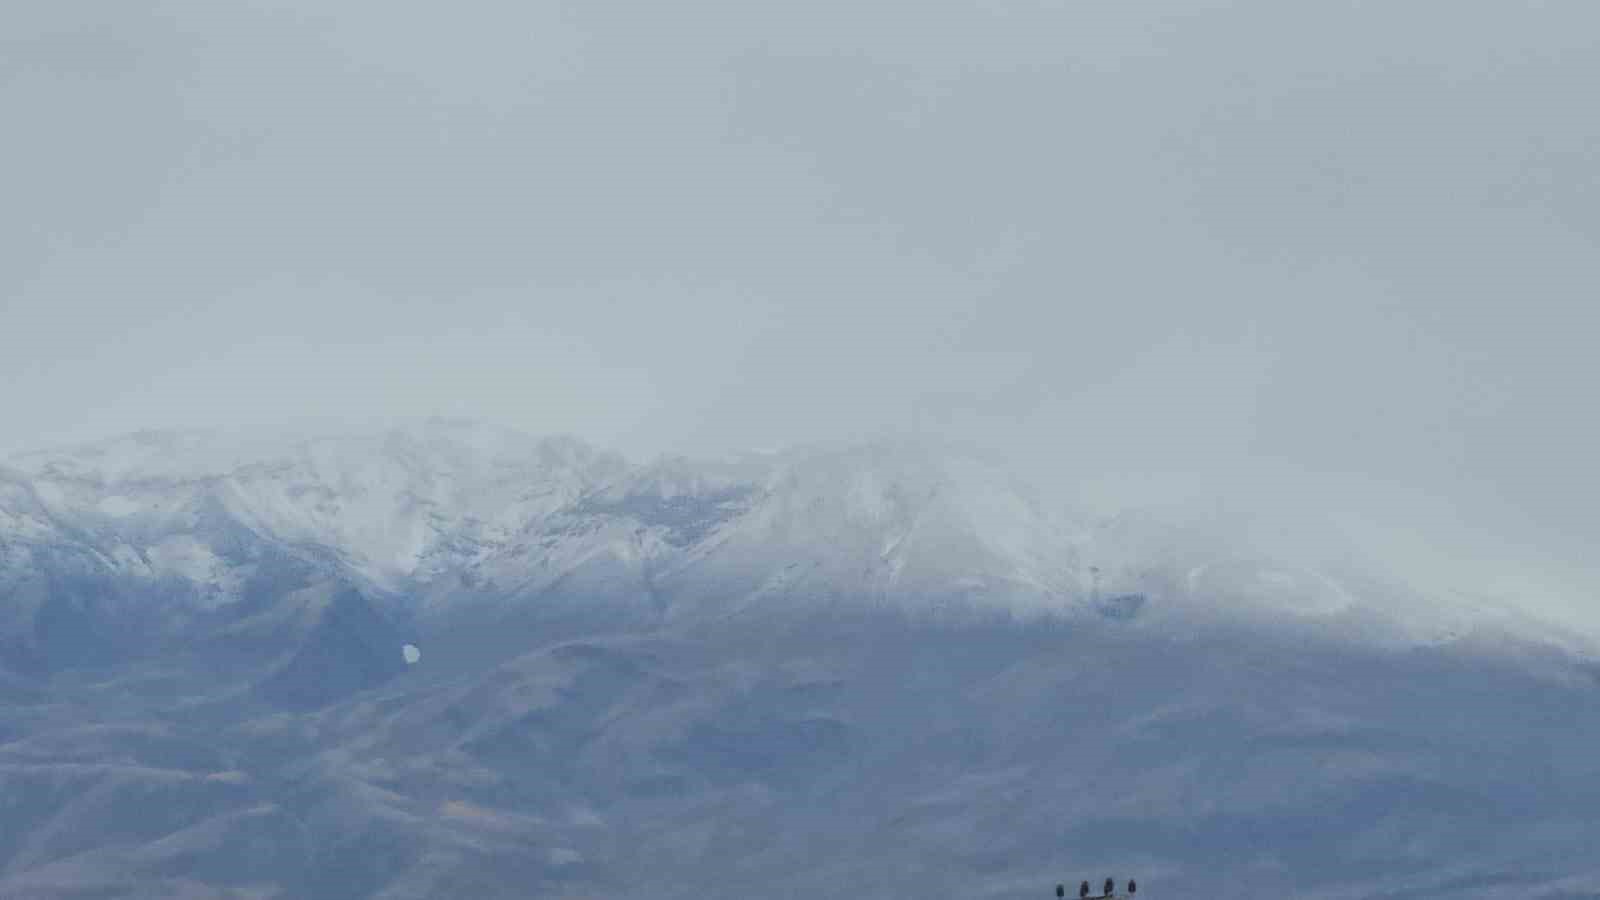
387, 503
439, 512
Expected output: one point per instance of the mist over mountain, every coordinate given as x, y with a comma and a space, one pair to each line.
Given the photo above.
858, 670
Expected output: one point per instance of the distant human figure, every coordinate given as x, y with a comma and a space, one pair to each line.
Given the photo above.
1083, 890
1111, 887
1061, 890
1133, 887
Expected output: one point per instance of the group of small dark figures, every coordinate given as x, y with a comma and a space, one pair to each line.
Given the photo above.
1109, 890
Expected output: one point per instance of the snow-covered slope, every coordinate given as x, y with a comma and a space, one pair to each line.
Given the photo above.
875, 525
444, 516
388, 507
889, 525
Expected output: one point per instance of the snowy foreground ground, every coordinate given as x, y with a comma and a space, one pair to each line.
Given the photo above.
867, 673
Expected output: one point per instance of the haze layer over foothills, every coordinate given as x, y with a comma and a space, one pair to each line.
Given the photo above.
450, 659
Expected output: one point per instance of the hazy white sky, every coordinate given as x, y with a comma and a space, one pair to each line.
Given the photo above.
1340, 242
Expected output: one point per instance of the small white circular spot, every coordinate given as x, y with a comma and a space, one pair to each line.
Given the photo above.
411, 653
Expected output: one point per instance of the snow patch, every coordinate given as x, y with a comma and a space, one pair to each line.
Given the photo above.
118, 506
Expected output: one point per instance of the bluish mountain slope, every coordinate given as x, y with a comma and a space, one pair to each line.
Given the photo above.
870, 671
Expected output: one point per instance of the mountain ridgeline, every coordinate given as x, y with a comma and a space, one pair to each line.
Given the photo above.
880, 670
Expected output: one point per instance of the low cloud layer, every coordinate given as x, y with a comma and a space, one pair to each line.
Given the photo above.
1309, 255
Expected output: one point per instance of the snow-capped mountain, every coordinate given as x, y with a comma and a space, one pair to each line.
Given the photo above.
870, 671
391, 506
877, 525
441, 517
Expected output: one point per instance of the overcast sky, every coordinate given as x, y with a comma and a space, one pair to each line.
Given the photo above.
1347, 243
